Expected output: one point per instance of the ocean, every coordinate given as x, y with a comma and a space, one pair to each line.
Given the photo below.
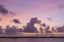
32, 40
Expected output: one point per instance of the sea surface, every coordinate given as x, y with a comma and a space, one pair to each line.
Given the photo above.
32, 40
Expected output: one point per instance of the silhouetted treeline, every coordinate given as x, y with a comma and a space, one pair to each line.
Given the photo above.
30, 28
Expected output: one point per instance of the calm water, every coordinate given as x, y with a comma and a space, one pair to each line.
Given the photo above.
32, 40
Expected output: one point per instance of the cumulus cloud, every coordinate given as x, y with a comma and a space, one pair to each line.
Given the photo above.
54, 30
16, 21
20, 30
38, 22
60, 29
1, 30
12, 29
34, 20
4, 11
44, 25
47, 29
41, 29
30, 26
50, 19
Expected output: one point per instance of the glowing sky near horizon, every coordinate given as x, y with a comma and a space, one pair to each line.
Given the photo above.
26, 9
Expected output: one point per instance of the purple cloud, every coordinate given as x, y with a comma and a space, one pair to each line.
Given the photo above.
4, 11
16, 21
50, 19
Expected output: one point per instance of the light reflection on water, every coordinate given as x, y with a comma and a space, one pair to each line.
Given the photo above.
32, 40
32, 35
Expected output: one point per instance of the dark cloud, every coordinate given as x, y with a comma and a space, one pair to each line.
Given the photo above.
33, 20
60, 29
20, 30
54, 30
10, 30
47, 29
4, 11
44, 25
30, 26
61, 6
1, 30
38, 22
41, 29
50, 19
16, 21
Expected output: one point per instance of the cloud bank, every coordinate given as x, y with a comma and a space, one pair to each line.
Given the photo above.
30, 28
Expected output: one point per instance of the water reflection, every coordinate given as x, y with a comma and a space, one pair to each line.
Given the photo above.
32, 40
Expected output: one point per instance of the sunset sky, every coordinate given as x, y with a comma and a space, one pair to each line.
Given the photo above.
24, 10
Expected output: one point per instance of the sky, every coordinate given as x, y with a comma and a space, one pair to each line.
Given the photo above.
50, 12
